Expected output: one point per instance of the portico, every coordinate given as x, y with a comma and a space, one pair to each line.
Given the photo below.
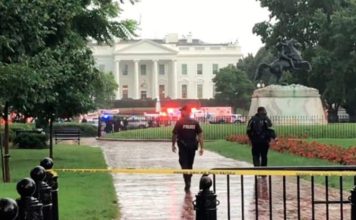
147, 70
155, 78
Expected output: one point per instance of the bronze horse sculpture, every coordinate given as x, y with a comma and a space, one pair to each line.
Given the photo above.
289, 60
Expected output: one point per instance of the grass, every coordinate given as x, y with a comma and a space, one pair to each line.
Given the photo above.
220, 131
81, 196
243, 153
348, 142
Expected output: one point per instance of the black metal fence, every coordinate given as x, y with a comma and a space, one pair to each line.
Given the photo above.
292, 193
311, 126
38, 196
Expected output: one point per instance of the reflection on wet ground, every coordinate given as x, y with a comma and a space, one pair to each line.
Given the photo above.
187, 207
156, 196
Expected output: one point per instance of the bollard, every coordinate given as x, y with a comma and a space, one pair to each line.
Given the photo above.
52, 180
43, 191
352, 200
29, 207
205, 203
8, 209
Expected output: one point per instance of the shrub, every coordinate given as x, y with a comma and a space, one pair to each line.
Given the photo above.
14, 127
27, 140
86, 129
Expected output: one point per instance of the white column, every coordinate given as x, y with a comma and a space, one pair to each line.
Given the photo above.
155, 86
136, 93
174, 79
117, 77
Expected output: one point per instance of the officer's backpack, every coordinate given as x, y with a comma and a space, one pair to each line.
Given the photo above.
259, 129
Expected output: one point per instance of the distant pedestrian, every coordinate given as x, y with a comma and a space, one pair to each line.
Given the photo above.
125, 123
260, 134
109, 126
188, 135
117, 124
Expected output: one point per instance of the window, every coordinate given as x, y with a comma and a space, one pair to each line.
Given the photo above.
143, 69
125, 71
184, 91
162, 92
200, 69
161, 69
200, 91
143, 94
102, 67
184, 69
125, 91
215, 68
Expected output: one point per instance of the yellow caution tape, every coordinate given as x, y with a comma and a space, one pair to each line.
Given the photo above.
216, 172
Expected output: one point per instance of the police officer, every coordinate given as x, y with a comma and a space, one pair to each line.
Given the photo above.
188, 135
260, 134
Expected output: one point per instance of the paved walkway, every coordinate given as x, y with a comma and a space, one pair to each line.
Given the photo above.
162, 196
159, 197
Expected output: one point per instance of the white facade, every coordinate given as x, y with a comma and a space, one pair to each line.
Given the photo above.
171, 67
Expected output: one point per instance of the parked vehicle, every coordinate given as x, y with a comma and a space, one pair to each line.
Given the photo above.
228, 119
135, 122
238, 118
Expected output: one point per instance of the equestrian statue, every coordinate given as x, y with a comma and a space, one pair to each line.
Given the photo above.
289, 60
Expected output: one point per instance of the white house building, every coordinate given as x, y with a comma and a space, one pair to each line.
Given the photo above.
161, 68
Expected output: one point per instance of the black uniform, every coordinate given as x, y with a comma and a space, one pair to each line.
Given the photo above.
260, 134
187, 131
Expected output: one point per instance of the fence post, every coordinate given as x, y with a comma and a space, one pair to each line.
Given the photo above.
8, 209
205, 203
52, 180
352, 199
29, 207
43, 191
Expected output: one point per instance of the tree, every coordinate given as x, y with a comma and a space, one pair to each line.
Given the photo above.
53, 44
18, 86
104, 92
233, 87
326, 31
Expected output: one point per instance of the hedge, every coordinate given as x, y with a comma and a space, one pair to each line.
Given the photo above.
86, 129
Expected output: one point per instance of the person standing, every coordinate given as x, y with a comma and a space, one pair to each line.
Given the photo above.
188, 134
260, 133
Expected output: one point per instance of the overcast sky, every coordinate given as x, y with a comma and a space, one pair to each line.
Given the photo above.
213, 21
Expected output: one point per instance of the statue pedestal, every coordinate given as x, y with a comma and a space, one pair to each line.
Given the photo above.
292, 104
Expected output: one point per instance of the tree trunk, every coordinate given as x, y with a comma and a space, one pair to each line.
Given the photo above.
6, 144
50, 138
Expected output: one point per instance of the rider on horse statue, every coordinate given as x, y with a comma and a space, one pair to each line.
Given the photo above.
289, 60
288, 51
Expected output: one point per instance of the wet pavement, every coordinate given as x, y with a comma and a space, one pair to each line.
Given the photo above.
156, 197
153, 196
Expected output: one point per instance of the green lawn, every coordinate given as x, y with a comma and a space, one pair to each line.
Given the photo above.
243, 153
344, 142
220, 131
81, 196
